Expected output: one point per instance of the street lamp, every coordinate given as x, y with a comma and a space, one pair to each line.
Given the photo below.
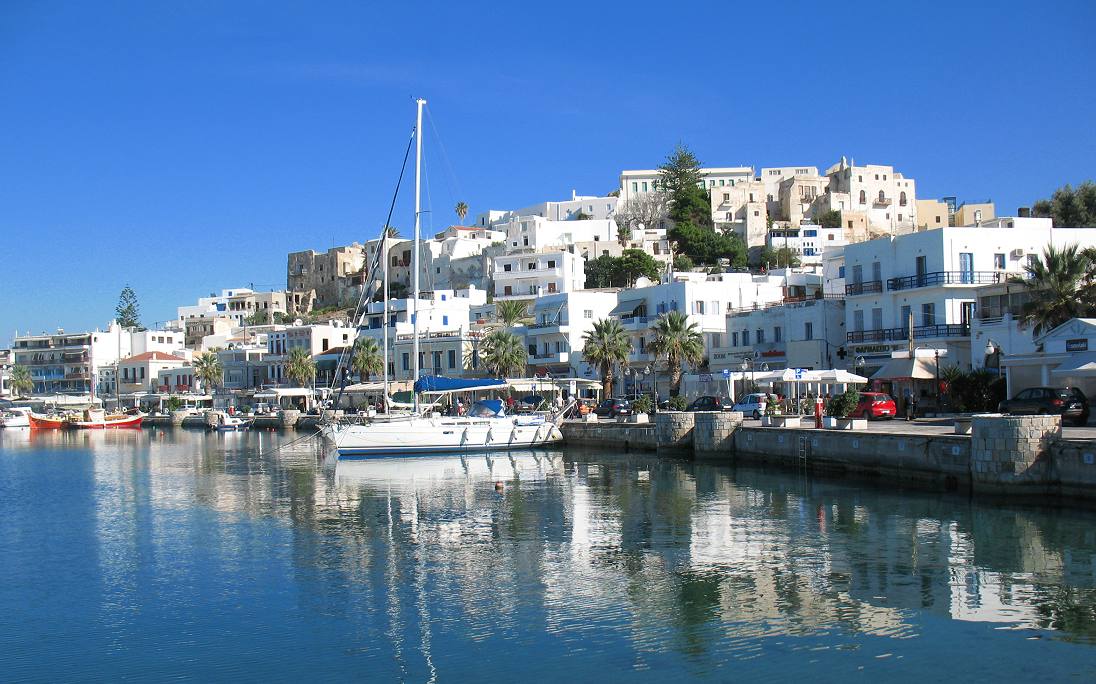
993, 349
646, 372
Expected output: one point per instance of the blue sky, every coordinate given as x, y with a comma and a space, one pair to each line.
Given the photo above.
187, 147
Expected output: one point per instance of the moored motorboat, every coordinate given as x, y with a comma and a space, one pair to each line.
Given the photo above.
15, 417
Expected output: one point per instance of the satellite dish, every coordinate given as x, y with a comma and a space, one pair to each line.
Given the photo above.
297, 321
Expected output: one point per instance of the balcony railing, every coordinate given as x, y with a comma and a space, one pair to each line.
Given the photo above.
901, 334
937, 278
869, 287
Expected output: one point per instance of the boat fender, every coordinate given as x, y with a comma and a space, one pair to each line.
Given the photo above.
464, 436
487, 440
513, 433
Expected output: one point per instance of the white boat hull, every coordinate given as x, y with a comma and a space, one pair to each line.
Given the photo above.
443, 434
15, 420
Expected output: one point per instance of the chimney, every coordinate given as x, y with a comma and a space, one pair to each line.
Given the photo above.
574, 195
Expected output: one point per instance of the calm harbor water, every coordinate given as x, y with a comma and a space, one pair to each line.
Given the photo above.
166, 554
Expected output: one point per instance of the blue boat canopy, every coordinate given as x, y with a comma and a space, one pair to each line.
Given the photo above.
487, 408
438, 383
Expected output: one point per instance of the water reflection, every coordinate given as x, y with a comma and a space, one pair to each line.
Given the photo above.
413, 568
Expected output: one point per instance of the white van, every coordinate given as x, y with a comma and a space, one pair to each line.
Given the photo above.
752, 405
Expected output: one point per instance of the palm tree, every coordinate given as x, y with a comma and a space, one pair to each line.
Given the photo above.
503, 354
607, 345
510, 312
299, 366
678, 341
21, 382
462, 211
1057, 283
366, 360
208, 368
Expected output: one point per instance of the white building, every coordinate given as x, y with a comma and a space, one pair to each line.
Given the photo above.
578, 207
639, 181
71, 363
314, 339
140, 371
164, 341
873, 199
935, 276
525, 276
237, 304
705, 299
808, 241
1067, 359
447, 341
540, 234
560, 320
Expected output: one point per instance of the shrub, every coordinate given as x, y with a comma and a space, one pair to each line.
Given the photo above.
843, 404
772, 405
173, 403
678, 403
642, 404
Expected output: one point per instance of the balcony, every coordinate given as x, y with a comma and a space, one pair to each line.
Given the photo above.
868, 287
881, 201
902, 334
551, 357
632, 322
939, 278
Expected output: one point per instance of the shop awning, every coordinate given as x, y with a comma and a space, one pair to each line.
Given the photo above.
627, 307
1080, 365
906, 369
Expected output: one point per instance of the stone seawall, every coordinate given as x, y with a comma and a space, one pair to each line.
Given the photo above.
612, 435
1009, 455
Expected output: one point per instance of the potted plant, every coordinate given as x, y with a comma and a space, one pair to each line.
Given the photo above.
775, 416
641, 408
838, 409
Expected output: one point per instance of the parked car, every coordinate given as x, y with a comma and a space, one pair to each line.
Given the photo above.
710, 403
611, 408
875, 405
751, 404
1068, 402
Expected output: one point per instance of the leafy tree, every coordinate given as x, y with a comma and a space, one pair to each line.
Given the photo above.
678, 403
829, 219
780, 257
624, 234
128, 311
259, 317
173, 403
678, 341
682, 262
1061, 288
209, 370
600, 271
462, 211
503, 354
366, 359
510, 312
300, 367
679, 177
1070, 207
606, 345
21, 382
634, 263
581, 216
706, 246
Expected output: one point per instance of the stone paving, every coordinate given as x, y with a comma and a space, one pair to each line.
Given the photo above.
940, 426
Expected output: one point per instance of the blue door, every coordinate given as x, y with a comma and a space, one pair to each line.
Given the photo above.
966, 267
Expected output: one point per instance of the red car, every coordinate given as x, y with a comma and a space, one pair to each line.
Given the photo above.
875, 405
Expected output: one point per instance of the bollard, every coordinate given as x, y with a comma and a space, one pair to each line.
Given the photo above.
818, 413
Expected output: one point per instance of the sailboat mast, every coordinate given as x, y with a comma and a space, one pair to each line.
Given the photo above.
415, 259
384, 315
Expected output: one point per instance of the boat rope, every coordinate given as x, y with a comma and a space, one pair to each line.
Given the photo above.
290, 443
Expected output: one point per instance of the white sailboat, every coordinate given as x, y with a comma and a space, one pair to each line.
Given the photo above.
486, 425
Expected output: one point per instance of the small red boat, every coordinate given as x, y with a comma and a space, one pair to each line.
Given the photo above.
41, 421
101, 422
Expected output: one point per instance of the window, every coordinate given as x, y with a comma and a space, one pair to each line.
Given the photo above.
635, 187
531, 266
876, 271
745, 338
840, 271
445, 320
644, 186
1032, 259
406, 361
717, 340
588, 313
507, 291
734, 339
506, 267
777, 334
808, 330
551, 263
882, 197
902, 199
999, 261
877, 318
863, 199
525, 241
857, 274
698, 307
928, 314
726, 197
760, 336
858, 320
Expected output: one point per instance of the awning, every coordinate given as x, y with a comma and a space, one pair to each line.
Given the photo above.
1080, 365
906, 369
534, 384
437, 383
627, 307
838, 377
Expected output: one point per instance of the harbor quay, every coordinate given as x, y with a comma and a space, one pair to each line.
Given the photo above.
991, 455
